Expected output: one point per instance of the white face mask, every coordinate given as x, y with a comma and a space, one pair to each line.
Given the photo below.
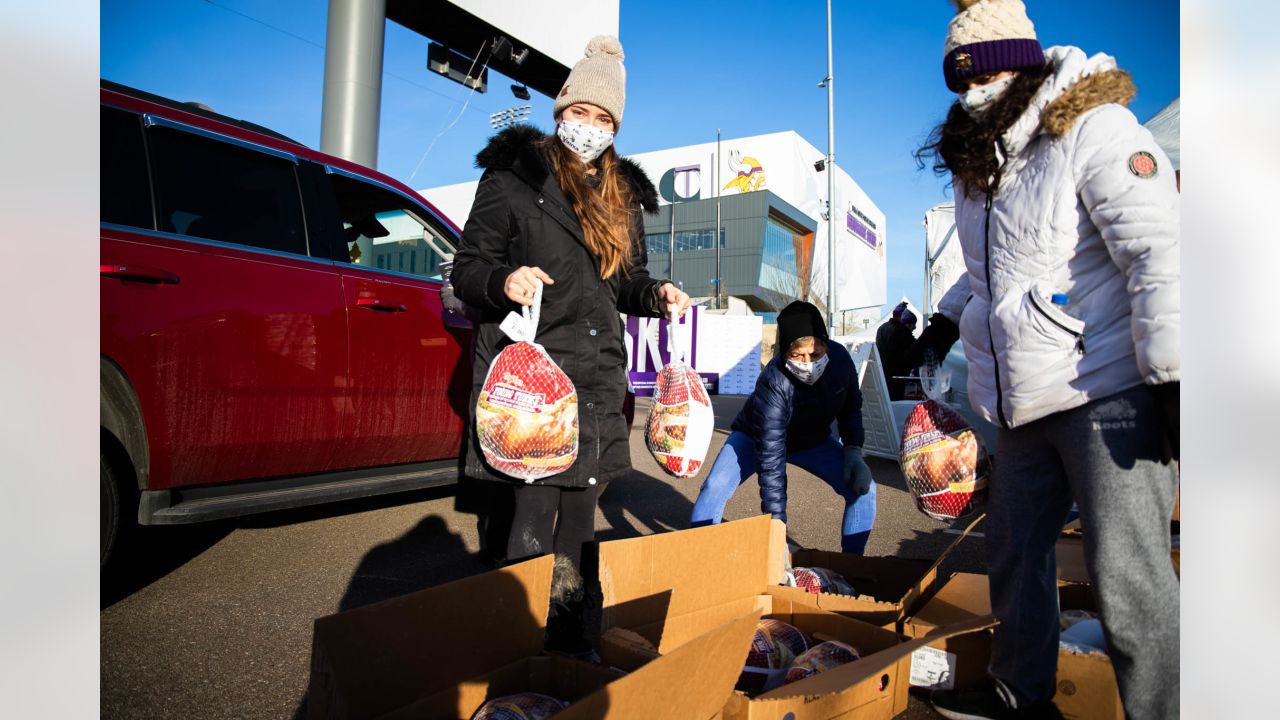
588, 141
977, 100
808, 372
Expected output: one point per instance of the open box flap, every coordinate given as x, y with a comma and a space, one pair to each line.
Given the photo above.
933, 569
703, 567
963, 596
386, 655
899, 583
850, 674
693, 681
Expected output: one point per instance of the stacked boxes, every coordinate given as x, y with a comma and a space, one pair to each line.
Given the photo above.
663, 590
680, 613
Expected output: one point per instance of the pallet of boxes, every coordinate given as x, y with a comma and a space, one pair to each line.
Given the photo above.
697, 624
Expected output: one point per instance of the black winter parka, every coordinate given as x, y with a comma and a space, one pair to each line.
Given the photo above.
783, 414
521, 217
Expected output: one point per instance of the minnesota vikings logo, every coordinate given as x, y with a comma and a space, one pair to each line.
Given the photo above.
750, 173
964, 61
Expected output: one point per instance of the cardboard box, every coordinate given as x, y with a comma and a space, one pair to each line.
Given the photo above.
959, 662
662, 590
889, 588
1086, 683
443, 652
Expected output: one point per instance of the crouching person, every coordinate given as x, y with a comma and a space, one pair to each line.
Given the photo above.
787, 419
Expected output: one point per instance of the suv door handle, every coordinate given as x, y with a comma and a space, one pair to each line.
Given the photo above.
376, 304
137, 273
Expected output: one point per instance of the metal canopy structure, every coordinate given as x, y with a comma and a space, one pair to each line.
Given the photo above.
471, 36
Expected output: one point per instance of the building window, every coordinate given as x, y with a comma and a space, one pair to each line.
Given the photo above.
778, 269
686, 241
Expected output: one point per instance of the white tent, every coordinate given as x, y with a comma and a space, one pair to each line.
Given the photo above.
1165, 126
944, 263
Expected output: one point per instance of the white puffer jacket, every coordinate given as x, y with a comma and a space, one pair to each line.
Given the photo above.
1080, 210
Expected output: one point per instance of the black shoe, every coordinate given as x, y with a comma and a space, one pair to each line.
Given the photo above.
986, 703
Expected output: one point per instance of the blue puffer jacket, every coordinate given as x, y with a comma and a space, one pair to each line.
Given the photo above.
783, 414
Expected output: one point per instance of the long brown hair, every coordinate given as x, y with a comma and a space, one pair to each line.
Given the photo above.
604, 203
966, 147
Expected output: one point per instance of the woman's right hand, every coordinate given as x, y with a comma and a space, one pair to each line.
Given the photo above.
521, 284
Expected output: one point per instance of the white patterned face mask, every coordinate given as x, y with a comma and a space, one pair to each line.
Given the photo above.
977, 100
588, 141
808, 372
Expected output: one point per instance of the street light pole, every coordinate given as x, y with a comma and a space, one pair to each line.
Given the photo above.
831, 182
715, 178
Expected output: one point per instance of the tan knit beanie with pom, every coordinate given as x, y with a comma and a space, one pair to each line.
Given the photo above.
988, 36
598, 78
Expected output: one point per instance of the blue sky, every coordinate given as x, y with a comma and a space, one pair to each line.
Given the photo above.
747, 67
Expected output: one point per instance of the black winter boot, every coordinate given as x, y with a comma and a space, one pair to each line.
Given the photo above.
567, 615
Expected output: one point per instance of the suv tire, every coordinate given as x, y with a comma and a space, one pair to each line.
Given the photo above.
112, 508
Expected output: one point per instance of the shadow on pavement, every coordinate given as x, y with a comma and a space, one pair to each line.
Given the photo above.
651, 501
153, 552
427, 555
150, 553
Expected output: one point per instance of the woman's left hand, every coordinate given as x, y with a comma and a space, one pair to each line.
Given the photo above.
672, 299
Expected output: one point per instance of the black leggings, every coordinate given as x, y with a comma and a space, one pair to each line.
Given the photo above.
535, 529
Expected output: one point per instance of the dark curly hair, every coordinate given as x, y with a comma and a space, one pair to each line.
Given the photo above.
966, 147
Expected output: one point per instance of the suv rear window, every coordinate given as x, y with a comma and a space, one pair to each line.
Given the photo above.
220, 191
125, 193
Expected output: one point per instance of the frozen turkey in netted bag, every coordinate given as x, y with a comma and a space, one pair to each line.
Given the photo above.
819, 580
527, 412
521, 706
775, 646
681, 421
821, 658
943, 460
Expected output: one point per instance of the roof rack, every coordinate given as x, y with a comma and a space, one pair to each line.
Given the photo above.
194, 109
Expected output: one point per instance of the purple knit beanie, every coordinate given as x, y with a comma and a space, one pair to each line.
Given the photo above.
988, 36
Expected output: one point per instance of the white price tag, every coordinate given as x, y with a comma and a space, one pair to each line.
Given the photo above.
933, 668
515, 327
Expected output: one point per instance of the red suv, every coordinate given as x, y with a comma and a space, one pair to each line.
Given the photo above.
273, 327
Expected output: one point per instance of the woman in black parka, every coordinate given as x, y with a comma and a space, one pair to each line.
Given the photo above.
565, 210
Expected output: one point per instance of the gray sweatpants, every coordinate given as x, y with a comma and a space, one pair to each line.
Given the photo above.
1106, 456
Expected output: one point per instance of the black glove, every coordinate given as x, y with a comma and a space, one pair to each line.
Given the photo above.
1166, 397
939, 336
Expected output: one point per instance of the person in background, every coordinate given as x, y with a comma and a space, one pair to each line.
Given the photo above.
893, 342
809, 384
1067, 215
565, 210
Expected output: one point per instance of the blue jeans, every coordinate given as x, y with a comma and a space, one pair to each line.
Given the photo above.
737, 462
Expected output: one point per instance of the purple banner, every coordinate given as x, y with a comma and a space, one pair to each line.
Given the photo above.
855, 226
644, 384
648, 349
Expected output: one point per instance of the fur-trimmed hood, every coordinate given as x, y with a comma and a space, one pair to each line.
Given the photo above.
1079, 84
518, 148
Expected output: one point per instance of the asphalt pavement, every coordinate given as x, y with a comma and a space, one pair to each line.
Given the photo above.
215, 620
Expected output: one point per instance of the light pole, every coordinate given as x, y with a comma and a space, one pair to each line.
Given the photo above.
715, 179
509, 117
831, 182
